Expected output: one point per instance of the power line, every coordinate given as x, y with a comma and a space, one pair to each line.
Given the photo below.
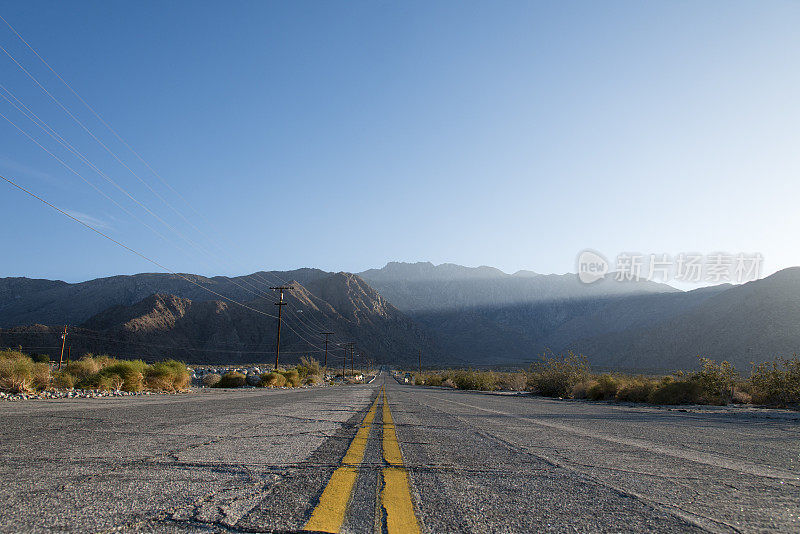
116, 157
69, 147
126, 247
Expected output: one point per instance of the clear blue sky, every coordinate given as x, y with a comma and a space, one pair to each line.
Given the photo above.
342, 135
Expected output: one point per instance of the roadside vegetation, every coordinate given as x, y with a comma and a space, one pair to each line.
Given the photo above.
308, 372
569, 375
20, 374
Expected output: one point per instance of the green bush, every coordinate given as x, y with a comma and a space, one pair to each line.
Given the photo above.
125, 375
555, 376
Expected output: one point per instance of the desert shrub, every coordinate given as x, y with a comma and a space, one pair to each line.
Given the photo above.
16, 372
40, 358
41, 376
604, 388
776, 383
169, 375
637, 389
311, 366
63, 380
126, 375
478, 380
429, 379
106, 382
84, 368
292, 377
555, 376
448, 383
741, 397
211, 379
716, 380
581, 389
511, 381
273, 380
231, 380
312, 380
676, 392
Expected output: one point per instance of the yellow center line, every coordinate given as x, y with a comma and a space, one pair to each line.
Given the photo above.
396, 494
329, 514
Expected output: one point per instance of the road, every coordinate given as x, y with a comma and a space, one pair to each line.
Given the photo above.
392, 458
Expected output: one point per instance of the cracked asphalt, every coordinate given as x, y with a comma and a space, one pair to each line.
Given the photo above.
258, 460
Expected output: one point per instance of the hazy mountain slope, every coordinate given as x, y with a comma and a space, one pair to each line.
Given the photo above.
25, 301
414, 287
520, 332
756, 321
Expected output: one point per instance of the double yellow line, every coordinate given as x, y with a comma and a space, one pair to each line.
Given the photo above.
329, 514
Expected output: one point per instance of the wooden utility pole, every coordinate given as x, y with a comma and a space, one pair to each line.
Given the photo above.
280, 304
344, 364
63, 342
420, 362
352, 358
326, 334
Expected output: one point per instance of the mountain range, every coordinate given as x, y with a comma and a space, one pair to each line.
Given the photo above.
455, 315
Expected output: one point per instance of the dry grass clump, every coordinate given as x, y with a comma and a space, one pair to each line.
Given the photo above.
514, 381
636, 389
63, 380
604, 388
273, 380
292, 377
581, 389
169, 375
211, 379
233, 379
19, 374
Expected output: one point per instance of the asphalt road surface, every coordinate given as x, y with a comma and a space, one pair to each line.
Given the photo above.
392, 458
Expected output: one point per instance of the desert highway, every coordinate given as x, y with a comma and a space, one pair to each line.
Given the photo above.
392, 458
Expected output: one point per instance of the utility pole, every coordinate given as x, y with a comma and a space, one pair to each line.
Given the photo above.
352, 358
63, 342
280, 304
420, 362
344, 364
326, 334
